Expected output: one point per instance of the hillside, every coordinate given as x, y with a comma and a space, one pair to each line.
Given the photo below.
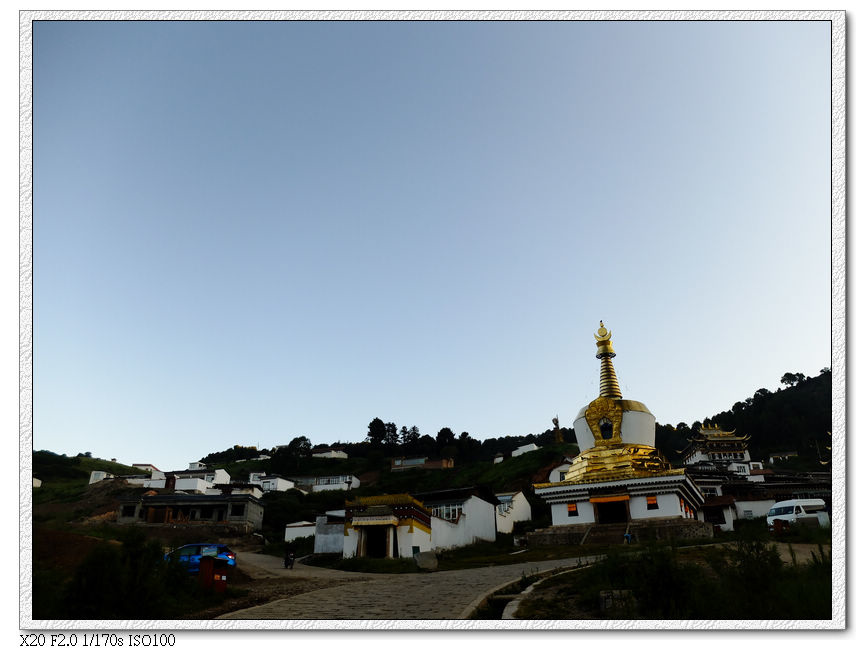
796, 418
65, 478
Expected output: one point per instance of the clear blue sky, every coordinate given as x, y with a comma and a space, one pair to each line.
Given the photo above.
246, 232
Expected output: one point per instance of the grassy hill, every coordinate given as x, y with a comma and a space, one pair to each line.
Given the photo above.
65, 479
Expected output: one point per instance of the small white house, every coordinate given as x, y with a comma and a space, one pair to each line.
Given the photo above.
37, 482
753, 508
557, 474
322, 483
98, 475
329, 453
189, 480
512, 507
519, 451
298, 529
271, 482
236, 488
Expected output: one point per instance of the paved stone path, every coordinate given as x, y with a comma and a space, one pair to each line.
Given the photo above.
436, 596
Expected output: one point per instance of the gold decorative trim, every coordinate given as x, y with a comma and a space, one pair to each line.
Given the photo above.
626, 404
611, 409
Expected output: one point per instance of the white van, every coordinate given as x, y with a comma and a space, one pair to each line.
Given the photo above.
806, 511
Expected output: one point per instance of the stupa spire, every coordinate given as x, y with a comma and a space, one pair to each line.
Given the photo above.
609, 382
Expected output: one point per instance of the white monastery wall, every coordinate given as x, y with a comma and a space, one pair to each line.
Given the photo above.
406, 541
758, 509
668, 506
585, 514
477, 522
520, 510
329, 538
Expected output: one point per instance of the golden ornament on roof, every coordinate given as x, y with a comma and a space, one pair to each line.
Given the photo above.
603, 333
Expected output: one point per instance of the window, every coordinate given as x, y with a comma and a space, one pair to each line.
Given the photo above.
572, 510
237, 509
562, 475
128, 511
447, 511
749, 514
606, 428
651, 503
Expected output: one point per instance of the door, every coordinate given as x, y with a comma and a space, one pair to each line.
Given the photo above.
612, 512
376, 541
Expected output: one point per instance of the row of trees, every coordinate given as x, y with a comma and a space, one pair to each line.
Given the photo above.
408, 441
795, 417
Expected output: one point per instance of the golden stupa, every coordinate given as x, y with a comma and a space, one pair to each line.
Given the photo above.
616, 436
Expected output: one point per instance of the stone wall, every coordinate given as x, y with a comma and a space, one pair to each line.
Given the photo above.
644, 531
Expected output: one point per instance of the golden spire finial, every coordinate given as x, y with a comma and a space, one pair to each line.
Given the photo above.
609, 382
603, 333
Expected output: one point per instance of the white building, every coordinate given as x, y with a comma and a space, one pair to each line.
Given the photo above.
299, 529
146, 467
512, 507
330, 453
460, 517
386, 526
559, 472
188, 480
519, 451
271, 482
401, 525
330, 532
322, 483
98, 475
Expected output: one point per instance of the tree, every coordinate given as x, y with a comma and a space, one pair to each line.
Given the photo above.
444, 438
391, 438
409, 437
792, 378
377, 432
300, 447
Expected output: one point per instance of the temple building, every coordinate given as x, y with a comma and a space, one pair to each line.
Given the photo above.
619, 476
386, 526
723, 449
403, 525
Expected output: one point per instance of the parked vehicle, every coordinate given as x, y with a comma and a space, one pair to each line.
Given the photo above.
804, 511
191, 554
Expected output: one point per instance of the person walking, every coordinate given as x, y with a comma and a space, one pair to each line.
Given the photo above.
289, 557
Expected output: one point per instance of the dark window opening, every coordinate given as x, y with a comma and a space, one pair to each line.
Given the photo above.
128, 511
606, 428
237, 509
572, 510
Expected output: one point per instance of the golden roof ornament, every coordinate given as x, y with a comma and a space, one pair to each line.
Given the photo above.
609, 382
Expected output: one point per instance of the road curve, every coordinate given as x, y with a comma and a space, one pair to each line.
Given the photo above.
444, 595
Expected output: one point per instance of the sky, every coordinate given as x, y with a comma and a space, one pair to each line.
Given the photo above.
245, 232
